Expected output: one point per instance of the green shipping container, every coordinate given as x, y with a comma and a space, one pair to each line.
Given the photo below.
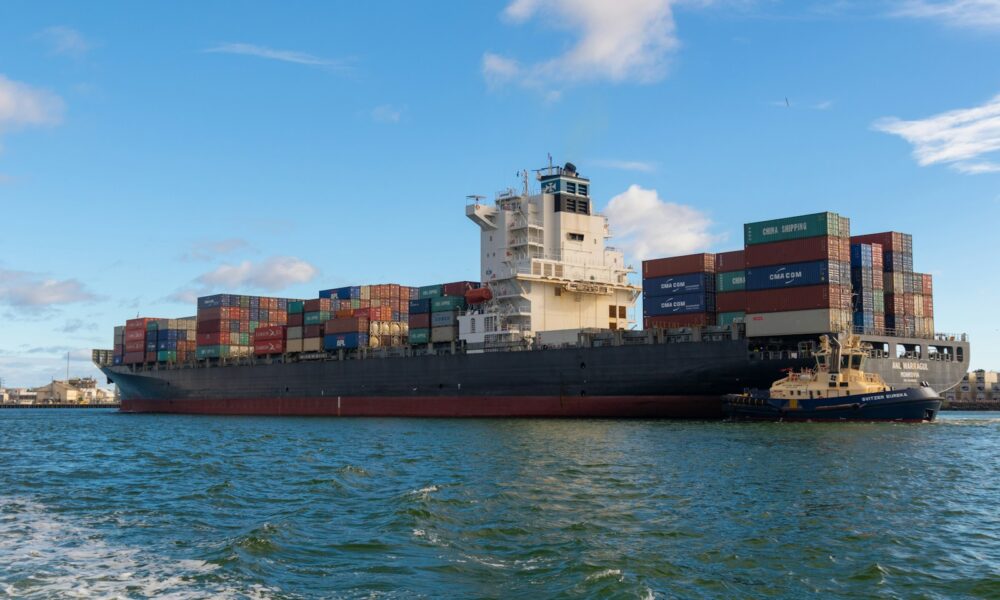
212, 351
430, 291
793, 228
733, 281
295, 307
166, 356
728, 318
420, 336
316, 318
446, 303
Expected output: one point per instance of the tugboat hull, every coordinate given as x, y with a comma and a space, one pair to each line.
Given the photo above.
908, 405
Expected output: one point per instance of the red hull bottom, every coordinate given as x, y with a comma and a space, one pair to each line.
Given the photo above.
671, 407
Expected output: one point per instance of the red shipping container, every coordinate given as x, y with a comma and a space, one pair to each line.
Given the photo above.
212, 326
132, 358
312, 331
927, 284
261, 347
348, 325
151, 357
928, 306
676, 321
420, 321
909, 306
877, 261
295, 320
213, 314
138, 323
730, 301
678, 265
135, 335
316, 305
212, 339
458, 288
368, 313
135, 346
797, 251
891, 241
269, 332
734, 260
798, 298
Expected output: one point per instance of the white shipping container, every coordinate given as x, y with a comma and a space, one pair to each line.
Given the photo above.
796, 322
293, 345
295, 333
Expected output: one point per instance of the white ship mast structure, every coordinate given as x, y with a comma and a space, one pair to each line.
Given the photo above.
545, 260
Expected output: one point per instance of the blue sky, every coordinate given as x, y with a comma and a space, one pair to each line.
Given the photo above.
156, 152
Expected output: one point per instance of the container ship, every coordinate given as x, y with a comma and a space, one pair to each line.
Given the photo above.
550, 328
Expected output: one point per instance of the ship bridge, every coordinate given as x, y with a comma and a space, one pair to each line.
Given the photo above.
543, 253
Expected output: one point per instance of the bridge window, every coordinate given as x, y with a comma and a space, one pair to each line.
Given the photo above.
960, 354
574, 237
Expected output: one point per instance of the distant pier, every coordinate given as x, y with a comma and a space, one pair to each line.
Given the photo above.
62, 405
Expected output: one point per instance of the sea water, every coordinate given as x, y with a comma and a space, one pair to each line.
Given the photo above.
99, 504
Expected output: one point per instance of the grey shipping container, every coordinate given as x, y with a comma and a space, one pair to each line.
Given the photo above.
444, 334
797, 322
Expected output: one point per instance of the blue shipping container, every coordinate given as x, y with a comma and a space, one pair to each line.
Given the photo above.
423, 305
779, 276
341, 293
213, 301
861, 255
864, 319
695, 283
348, 341
678, 304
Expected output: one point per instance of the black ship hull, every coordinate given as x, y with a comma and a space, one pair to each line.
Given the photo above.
647, 380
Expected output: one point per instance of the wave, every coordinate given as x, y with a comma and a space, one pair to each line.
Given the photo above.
46, 556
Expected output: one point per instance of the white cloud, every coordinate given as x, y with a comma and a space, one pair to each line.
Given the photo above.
291, 56
65, 41
273, 274
646, 226
78, 325
24, 289
981, 14
22, 105
498, 70
625, 165
386, 113
626, 40
966, 139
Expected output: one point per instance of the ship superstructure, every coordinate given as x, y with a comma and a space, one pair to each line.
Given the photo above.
546, 261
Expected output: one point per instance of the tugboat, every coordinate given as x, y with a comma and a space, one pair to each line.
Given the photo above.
837, 390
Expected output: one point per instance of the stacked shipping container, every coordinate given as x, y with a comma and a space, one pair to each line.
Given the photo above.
679, 291
384, 308
797, 275
906, 306
868, 301
434, 312
730, 287
226, 323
